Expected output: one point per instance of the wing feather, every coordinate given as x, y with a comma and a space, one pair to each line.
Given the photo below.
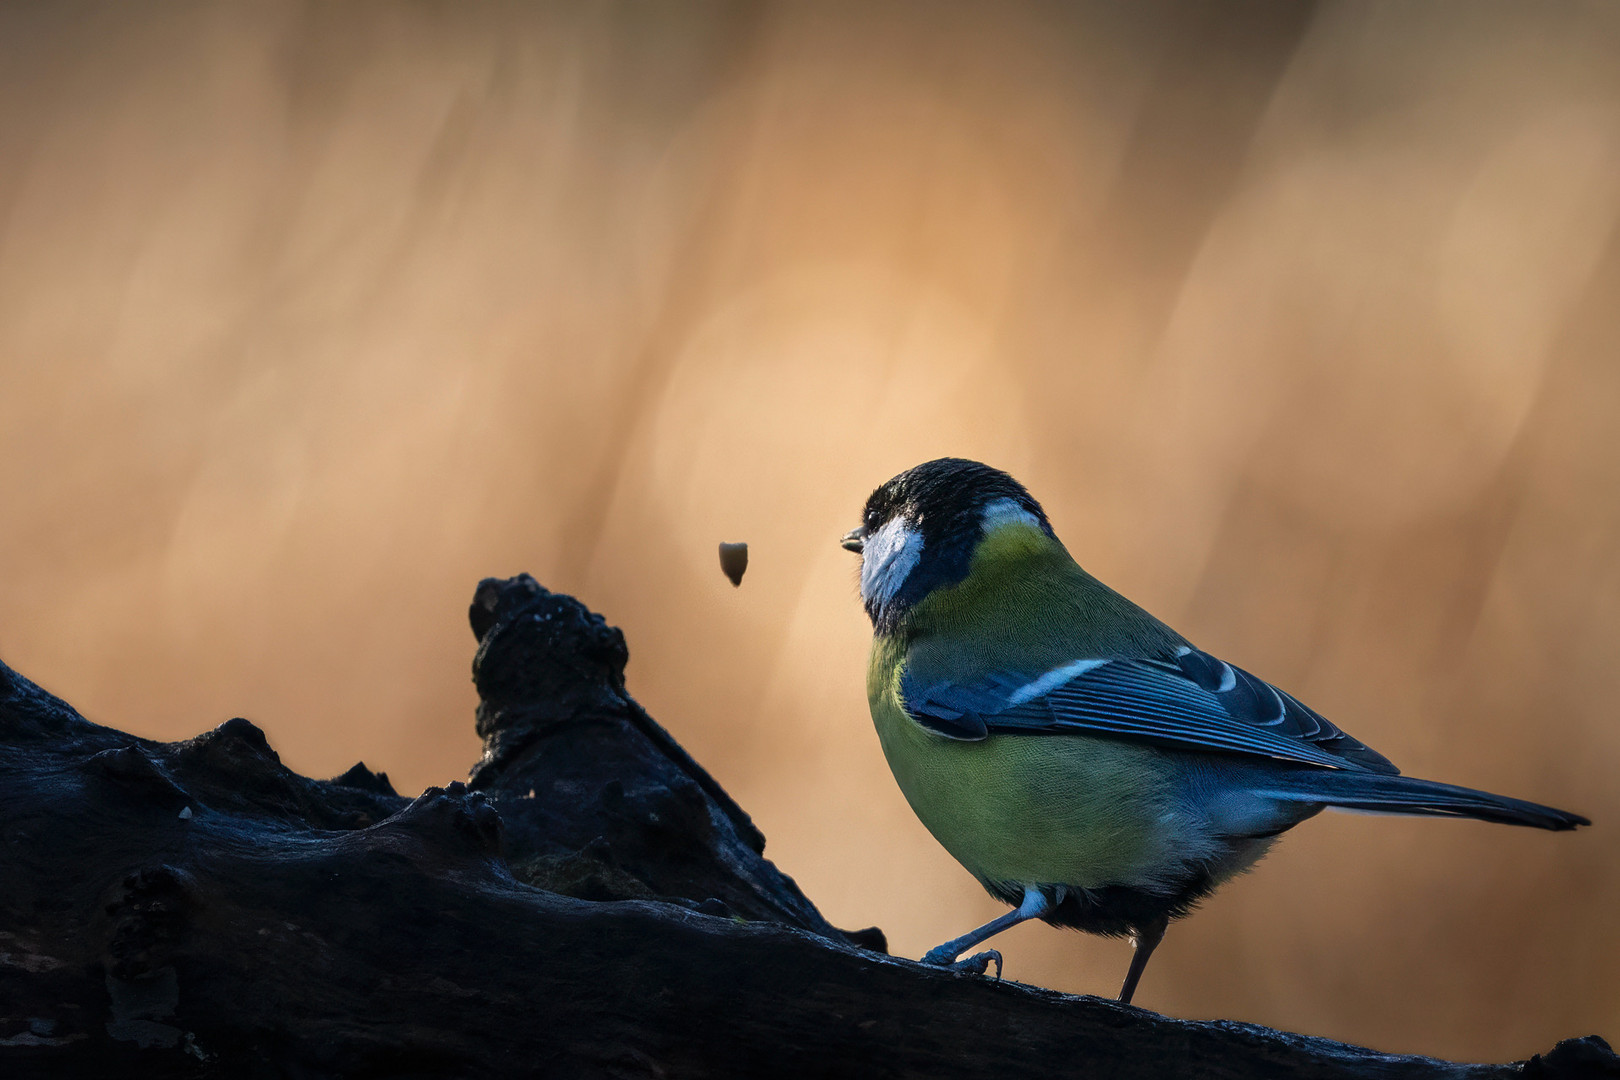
1188, 701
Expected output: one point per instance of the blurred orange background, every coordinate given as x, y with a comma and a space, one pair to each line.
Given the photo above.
1302, 320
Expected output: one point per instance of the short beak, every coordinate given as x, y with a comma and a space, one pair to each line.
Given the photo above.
854, 540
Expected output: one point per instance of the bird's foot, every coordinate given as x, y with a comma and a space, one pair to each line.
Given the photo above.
977, 964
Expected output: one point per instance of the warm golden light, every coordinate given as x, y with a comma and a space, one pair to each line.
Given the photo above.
1301, 320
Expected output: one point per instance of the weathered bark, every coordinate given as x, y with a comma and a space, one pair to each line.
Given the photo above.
593, 904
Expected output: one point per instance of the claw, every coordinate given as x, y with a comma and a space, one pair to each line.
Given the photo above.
977, 964
1037, 905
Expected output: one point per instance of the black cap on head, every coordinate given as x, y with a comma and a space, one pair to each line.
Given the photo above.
945, 496
944, 501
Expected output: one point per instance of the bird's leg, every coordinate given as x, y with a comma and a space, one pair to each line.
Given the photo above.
1035, 905
1144, 941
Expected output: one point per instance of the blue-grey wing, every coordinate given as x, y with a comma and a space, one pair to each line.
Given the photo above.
1188, 701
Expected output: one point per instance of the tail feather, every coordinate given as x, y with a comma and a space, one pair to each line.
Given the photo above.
1380, 794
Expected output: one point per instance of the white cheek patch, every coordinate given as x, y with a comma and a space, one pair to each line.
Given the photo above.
1005, 512
887, 558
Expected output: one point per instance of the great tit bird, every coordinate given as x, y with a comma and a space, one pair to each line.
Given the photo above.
1079, 757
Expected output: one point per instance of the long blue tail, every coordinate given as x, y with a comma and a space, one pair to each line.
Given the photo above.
1382, 794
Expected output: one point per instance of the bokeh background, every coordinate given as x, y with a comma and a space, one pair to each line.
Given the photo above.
1302, 319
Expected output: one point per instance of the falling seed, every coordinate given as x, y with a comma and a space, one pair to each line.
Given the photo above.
734, 560
185, 814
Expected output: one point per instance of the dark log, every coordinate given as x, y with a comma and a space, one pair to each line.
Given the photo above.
600, 803
591, 905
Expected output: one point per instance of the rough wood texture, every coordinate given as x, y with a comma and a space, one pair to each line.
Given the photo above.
592, 905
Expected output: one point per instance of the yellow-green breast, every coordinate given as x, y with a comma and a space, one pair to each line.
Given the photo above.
1024, 809
1029, 809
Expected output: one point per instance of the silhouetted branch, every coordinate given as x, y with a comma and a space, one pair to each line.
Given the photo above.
594, 904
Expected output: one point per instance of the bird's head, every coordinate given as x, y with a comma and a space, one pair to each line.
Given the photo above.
921, 530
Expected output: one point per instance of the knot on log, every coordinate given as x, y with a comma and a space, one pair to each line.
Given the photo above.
148, 920
542, 657
451, 819
228, 745
363, 778
131, 769
233, 769
1590, 1056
